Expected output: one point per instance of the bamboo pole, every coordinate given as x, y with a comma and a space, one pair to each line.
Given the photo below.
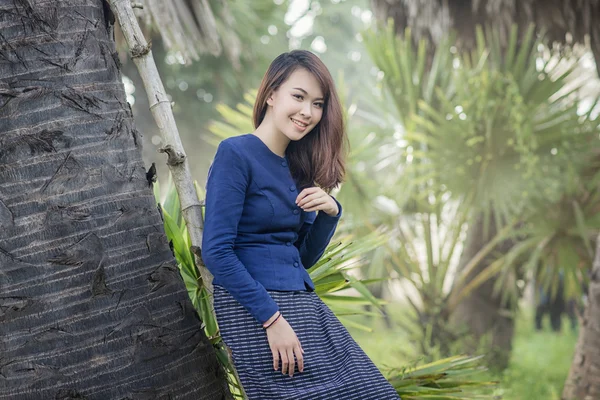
160, 106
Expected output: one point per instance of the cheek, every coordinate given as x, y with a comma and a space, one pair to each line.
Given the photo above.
288, 107
318, 114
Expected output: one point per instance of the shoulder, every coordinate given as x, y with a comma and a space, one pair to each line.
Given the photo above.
234, 145
232, 154
237, 143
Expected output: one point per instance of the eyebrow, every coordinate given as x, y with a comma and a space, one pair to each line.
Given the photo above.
306, 93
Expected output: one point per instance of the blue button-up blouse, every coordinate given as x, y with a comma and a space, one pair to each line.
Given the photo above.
255, 236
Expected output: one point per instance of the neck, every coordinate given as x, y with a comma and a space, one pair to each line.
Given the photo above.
276, 141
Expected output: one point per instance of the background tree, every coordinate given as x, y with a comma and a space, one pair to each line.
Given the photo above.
583, 381
564, 23
92, 304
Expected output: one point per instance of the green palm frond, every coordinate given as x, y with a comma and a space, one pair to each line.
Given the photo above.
492, 122
446, 379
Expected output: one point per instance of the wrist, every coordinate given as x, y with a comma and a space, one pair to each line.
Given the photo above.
271, 320
336, 210
333, 212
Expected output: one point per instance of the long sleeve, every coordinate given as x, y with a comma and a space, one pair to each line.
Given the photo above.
315, 234
226, 186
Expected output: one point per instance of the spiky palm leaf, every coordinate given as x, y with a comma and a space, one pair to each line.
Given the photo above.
446, 379
499, 127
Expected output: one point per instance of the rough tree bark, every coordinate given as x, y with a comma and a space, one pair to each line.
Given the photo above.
583, 382
91, 302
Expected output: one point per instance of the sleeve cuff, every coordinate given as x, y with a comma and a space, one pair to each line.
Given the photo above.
266, 312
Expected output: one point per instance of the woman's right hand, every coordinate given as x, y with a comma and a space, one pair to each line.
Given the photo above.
284, 345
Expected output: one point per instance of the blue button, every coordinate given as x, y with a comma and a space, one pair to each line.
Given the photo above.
292, 188
283, 164
288, 243
296, 264
296, 211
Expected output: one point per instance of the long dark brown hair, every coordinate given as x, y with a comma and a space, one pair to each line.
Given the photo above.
319, 157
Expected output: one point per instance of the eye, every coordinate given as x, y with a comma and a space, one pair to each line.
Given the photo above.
319, 105
298, 96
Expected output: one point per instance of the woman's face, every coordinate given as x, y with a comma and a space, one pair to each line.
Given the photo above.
297, 105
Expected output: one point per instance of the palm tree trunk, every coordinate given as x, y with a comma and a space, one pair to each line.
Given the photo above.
482, 312
91, 301
583, 382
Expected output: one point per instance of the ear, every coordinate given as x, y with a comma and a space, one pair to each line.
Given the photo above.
270, 97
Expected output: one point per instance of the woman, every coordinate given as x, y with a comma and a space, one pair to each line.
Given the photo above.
262, 232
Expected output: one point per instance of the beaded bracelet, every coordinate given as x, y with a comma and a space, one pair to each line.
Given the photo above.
275, 320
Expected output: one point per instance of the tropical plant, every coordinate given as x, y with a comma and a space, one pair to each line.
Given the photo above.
490, 135
434, 21
447, 379
181, 245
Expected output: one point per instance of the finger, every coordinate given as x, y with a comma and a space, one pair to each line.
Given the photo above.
305, 199
313, 203
303, 194
284, 362
291, 363
319, 197
275, 359
317, 207
306, 192
299, 358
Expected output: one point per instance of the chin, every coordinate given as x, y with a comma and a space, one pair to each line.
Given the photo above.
298, 137
295, 136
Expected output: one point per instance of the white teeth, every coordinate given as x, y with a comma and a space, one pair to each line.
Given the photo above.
302, 124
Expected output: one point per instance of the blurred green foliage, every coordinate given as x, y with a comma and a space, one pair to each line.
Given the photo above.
537, 369
495, 131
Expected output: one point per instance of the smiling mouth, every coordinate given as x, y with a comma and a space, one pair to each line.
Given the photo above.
299, 123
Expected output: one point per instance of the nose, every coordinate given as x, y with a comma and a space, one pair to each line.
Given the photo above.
306, 110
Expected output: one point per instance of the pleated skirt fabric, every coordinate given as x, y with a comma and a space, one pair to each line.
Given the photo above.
335, 367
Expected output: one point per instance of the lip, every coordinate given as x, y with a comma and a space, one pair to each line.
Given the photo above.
300, 128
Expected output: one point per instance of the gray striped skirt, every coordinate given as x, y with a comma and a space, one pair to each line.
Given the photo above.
335, 367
